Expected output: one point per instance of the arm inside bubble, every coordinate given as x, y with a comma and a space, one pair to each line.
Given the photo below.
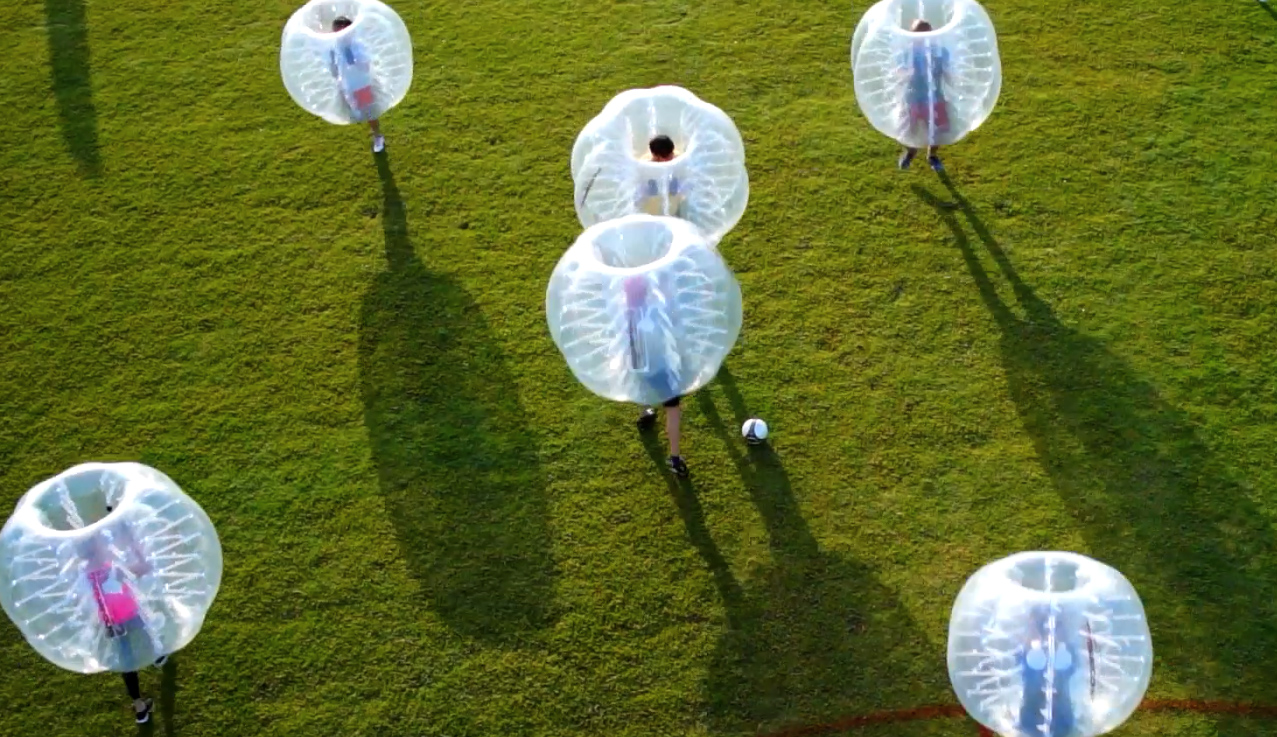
332, 64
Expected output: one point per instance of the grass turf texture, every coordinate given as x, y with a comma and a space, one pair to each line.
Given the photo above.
431, 529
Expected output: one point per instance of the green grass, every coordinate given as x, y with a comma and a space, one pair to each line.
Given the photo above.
431, 529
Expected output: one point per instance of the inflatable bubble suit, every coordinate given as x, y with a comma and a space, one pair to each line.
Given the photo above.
643, 309
1049, 645
615, 175
329, 74
926, 88
108, 566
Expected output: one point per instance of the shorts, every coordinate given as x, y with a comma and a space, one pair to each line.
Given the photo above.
663, 382
360, 102
932, 114
363, 97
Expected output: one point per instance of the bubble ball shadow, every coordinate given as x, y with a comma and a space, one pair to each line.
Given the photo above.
1143, 487
811, 635
68, 36
459, 472
168, 695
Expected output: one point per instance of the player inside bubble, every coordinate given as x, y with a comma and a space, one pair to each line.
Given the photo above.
666, 196
925, 67
118, 609
351, 64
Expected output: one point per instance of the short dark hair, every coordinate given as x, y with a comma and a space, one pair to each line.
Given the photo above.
662, 146
341, 22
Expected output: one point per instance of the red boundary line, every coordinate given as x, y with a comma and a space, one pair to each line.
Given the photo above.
954, 711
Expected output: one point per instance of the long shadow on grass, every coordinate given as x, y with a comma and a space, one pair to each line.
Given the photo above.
812, 636
461, 477
68, 34
168, 695
1267, 8
1144, 489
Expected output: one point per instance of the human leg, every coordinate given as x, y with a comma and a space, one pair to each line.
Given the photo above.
674, 429
933, 158
141, 706
939, 125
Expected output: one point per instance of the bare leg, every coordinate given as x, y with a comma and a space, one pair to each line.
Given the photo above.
673, 427
375, 126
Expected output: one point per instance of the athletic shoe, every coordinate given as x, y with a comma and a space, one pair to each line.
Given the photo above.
906, 158
160, 661
678, 467
143, 717
647, 420
936, 166
378, 144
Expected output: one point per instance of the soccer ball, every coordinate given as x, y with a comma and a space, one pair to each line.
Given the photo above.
754, 431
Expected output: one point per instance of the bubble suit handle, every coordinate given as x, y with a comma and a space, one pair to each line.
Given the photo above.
643, 309
1049, 644
347, 76
614, 174
930, 87
108, 566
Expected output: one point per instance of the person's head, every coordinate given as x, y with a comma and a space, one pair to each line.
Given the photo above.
341, 22
920, 26
662, 148
96, 550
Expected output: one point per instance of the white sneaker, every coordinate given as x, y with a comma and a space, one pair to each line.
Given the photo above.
142, 717
378, 144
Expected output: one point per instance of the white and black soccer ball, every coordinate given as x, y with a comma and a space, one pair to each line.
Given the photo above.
754, 431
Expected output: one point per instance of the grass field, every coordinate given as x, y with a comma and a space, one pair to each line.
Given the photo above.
431, 529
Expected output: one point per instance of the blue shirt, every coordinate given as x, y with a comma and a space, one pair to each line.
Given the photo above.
351, 65
926, 64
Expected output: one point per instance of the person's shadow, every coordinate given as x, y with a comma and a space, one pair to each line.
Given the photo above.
68, 36
1147, 493
1267, 8
168, 695
462, 480
812, 637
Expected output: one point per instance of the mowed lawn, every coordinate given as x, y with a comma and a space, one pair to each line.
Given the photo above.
431, 529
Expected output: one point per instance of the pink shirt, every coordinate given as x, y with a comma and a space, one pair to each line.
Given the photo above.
116, 604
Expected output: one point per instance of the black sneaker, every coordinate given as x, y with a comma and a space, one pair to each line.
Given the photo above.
647, 420
906, 158
160, 661
678, 466
144, 716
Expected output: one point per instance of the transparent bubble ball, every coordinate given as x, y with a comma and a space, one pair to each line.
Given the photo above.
350, 76
926, 88
96, 590
705, 183
643, 308
1049, 644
